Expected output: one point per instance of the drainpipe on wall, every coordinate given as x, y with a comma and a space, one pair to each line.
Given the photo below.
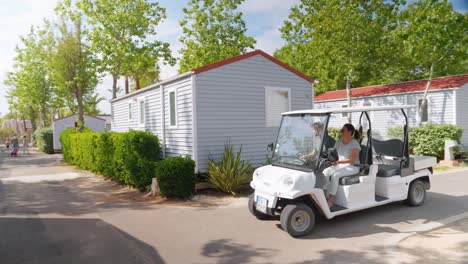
163, 121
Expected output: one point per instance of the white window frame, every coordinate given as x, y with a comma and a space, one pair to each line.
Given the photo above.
175, 107
428, 109
267, 105
139, 101
130, 110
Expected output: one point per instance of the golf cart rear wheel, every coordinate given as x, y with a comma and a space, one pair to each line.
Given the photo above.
253, 210
416, 193
297, 219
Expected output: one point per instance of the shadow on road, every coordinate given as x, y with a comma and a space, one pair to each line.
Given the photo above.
67, 240
228, 251
70, 197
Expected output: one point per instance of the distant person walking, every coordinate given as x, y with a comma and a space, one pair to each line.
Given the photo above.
25, 145
14, 146
7, 143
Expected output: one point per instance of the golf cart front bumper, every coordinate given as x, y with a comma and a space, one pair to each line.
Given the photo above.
265, 203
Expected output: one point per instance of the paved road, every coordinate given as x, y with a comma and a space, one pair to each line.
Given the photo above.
51, 214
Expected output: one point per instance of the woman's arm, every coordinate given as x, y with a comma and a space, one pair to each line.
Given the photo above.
352, 159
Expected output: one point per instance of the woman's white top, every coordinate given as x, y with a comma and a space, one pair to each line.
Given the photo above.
344, 150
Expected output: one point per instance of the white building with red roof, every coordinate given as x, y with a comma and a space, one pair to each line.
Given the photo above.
238, 100
447, 103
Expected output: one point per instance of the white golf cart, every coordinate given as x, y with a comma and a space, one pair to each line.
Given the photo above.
293, 186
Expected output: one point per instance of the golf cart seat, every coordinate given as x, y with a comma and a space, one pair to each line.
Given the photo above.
387, 170
364, 170
390, 148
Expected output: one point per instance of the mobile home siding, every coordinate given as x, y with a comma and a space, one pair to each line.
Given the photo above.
95, 124
441, 110
178, 141
462, 112
231, 107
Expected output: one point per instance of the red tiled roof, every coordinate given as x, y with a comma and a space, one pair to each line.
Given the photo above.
248, 55
404, 87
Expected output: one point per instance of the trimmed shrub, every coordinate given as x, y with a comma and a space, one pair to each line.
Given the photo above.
176, 176
129, 158
430, 139
45, 140
334, 133
230, 172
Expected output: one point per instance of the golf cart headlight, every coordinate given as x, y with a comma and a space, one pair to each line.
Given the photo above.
288, 181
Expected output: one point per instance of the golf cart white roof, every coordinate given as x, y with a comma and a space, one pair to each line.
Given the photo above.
349, 109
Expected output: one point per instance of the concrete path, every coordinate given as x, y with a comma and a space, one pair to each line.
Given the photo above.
51, 214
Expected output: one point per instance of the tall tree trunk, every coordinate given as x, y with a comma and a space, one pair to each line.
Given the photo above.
33, 118
126, 85
137, 83
43, 117
79, 100
348, 95
424, 99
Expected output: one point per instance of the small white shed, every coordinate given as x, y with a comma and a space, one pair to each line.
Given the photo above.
447, 103
94, 123
239, 100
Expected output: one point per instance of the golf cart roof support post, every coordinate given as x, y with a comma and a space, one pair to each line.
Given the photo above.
369, 140
406, 141
317, 162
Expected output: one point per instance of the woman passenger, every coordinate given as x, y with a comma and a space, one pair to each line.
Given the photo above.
348, 149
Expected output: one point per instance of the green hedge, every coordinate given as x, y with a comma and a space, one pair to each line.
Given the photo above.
176, 176
44, 140
129, 158
335, 133
428, 139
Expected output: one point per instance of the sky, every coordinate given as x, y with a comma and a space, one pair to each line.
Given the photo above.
263, 19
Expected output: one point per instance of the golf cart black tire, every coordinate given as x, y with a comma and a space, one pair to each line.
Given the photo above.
412, 200
253, 210
286, 219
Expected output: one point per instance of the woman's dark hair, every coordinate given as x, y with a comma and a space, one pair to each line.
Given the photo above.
353, 131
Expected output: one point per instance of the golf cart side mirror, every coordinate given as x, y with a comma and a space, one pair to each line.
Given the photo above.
270, 146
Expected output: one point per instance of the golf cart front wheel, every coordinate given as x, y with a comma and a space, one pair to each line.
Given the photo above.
416, 193
254, 211
297, 219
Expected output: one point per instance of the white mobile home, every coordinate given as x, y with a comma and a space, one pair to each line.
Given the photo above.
238, 100
447, 103
58, 125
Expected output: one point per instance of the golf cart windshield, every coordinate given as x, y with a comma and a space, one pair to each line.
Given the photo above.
299, 141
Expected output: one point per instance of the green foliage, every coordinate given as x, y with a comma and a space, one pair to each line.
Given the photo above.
374, 41
45, 140
129, 158
430, 139
176, 176
123, 34
336, 40
433, 33
5, 133
334, 133
230, 172
213, 30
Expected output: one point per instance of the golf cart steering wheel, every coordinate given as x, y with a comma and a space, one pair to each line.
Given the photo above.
327, 158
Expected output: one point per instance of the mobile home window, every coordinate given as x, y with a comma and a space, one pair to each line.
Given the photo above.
141, 112
277, 101
130, 115
424, 115
173, 108
344, 115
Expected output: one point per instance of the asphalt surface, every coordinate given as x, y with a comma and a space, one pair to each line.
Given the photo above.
48, 214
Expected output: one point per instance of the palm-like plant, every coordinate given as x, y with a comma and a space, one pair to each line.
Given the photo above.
230, 172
